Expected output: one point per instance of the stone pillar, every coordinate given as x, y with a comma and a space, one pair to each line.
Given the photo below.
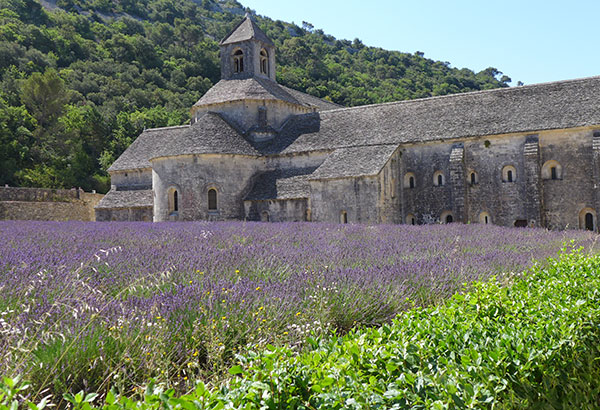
533, 182
596, 170
458, 182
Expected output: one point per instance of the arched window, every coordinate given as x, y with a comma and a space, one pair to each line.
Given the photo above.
173, 200
509, 174
485, 218
264, 62
410, 181
551, 170
438, 178
212, 199
473, 179
344, 217
587, 219
264, 216
238, 61
446, 217
411, 220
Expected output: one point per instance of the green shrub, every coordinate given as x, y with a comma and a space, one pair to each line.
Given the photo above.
532, 344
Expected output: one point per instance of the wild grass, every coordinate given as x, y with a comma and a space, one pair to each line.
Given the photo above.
97, 307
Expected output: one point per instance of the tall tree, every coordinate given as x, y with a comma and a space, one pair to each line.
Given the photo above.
45, 95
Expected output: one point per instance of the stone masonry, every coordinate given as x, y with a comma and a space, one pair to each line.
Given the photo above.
256, 150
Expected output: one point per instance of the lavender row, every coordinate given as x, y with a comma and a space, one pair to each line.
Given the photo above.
177, 301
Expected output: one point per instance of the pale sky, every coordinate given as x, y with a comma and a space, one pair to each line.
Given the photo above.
529, 40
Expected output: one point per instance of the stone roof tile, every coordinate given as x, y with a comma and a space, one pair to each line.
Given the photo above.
151, 142
210, 134
126, 199
253, 88
558, 105
355, 162
311, 100
247, 29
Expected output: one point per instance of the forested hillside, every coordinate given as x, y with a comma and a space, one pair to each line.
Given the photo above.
80, 79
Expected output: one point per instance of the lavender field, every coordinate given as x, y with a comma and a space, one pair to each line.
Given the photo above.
95, 306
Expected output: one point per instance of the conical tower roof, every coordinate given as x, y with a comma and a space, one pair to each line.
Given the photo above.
246, 30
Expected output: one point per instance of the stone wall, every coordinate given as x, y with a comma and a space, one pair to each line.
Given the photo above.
357, 197
132, 179
532, 197
288, 210
142, 214
47, 204
244, 114
193, 176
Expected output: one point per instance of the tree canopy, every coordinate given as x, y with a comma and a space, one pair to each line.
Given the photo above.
80, 81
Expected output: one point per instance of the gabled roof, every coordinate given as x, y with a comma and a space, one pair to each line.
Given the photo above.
150, 143
311, 100
557, 105
355, 162
247, 29
281, 184
127, 199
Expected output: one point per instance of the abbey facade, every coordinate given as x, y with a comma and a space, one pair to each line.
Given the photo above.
259, 151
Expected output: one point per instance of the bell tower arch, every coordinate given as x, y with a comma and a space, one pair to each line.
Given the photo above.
247, 52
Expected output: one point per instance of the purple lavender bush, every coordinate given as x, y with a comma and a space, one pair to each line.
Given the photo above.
94, 306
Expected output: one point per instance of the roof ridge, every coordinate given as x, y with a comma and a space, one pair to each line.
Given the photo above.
470, 93
167, 128
254, 32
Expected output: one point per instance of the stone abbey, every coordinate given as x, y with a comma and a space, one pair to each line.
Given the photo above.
259, 151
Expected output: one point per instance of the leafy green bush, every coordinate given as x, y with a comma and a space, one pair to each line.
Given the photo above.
532, 344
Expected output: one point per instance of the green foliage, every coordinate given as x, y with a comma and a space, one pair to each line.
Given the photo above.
118, 58
533, 344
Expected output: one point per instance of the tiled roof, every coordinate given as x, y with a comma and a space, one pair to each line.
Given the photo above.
558, 105
150, 143
281, 184
210, 134
253, 88
311, 100
355, 162
126, 199
246, 30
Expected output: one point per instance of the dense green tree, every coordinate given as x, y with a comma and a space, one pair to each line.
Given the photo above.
45, 96
80, 82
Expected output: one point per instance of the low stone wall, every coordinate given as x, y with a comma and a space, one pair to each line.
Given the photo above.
40, 204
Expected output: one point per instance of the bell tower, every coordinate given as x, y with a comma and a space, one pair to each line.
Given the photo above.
247, 52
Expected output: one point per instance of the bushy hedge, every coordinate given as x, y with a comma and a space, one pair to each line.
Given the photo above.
532, 344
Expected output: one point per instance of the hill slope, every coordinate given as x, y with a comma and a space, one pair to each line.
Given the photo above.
80, 79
